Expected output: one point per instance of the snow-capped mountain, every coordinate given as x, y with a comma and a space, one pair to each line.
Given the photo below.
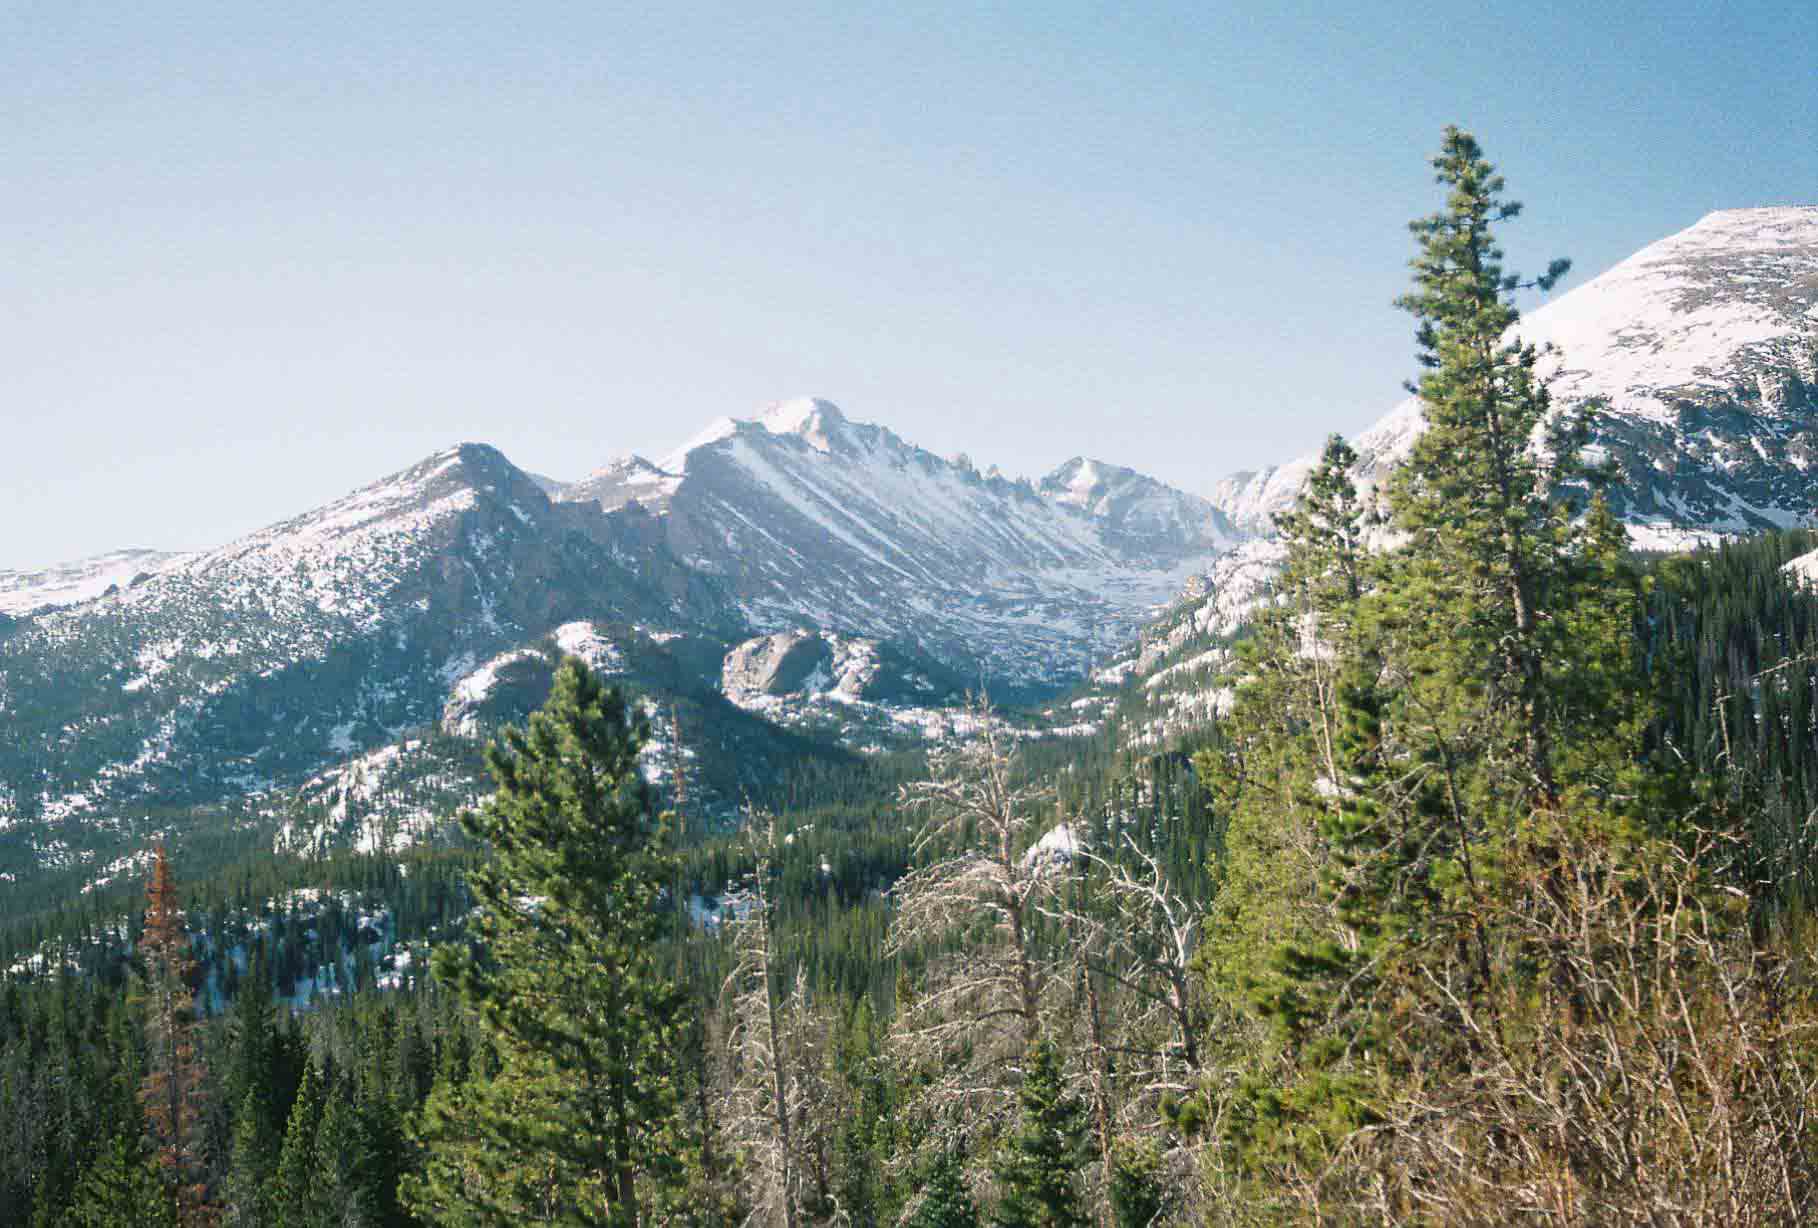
809, 518
1702, 353
440, 598
1137, 514
316, 637
1702, 349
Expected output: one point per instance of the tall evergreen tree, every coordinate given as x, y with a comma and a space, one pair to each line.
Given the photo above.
1449, 780
565, 981
253, 1166
1475, 495
294, 1196
341, 1193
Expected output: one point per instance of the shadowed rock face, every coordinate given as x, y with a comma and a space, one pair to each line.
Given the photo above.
777, 664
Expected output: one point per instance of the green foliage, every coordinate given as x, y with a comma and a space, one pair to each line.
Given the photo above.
294, 1195
945, 1203
1139, 1184
1416, 724
1039, 1164
123, 1189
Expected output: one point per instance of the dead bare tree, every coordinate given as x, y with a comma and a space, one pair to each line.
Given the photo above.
972, 910
1131, 938
762, 1107
1654, 1067
1149, 940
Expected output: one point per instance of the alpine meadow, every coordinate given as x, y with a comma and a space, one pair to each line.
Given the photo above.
807, 830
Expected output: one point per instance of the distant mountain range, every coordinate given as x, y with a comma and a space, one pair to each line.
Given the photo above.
798, 569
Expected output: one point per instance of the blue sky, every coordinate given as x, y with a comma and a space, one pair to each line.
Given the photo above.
252, 259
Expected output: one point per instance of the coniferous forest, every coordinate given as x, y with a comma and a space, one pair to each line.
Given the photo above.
1486, 901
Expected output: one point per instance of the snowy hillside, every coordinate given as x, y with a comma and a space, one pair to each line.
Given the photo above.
329, 633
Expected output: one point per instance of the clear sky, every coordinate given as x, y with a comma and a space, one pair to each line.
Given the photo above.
254, 256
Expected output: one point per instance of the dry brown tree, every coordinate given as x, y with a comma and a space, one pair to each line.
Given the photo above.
778, 1111
973, 911
172, 1088
1131, 937
1641, 1057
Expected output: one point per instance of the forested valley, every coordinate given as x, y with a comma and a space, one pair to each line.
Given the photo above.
1487, 900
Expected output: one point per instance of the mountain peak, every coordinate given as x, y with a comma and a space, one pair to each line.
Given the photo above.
814, 420
1790, 223
799, 414
811, 419
1700, 352
621, 480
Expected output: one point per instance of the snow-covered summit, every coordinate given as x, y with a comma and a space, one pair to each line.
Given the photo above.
811, 419
619, 482
814, 420
1137, 512
808, 517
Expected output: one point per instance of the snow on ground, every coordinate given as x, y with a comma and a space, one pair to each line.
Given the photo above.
1055, 850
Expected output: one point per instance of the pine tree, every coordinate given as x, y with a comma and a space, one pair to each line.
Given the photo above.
255, 1082
340, 1189
1475, 496
123, 1188
945, 1201
565, 982
1449, 784
1038, 1166
294, 1195
1139, 1186
253, 1166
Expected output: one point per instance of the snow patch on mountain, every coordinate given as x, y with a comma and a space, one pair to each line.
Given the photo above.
67, 584
811, 518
